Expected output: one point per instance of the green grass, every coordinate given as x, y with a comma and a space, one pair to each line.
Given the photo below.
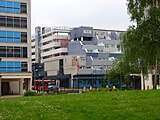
129, 105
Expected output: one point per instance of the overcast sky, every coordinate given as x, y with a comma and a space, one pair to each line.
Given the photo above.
108, 14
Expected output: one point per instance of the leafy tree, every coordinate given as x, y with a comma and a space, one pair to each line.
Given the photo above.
122, 69
142, 42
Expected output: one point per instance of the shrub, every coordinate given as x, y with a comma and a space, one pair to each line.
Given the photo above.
29, 93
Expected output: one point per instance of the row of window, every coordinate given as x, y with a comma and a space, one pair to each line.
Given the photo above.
16, 52
10, 21
13, 66
13, 7
11, 36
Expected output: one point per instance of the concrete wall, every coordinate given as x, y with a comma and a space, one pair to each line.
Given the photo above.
14, 85
51, 66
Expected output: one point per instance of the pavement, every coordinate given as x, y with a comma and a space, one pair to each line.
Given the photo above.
11, 96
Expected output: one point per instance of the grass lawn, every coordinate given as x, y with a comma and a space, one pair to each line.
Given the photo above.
129, 105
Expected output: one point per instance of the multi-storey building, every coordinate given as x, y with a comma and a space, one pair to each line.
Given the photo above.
80, 55
48, 43
15, 52
98, 47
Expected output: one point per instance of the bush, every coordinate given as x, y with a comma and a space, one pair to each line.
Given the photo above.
29, 93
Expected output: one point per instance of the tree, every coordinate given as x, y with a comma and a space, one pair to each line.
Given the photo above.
142, 41
122, 69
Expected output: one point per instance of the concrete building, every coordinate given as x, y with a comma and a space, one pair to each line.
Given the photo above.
99, 47
15, 52
74, 55
48, 43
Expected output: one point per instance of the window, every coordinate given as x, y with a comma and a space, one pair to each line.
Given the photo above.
87, 31
9, 51
23, 8
24, 67
23, 22
17, 37
9, 36
10, 66
9, 6
24, 37
2, 21
17, 52
3, 51
24, 52
9, 21
17, 22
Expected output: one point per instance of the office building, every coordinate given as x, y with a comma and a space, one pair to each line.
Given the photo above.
15, 46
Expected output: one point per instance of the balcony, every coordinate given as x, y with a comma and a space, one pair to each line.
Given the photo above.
55, 51
50, 45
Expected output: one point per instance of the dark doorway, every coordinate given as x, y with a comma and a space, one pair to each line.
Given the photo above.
5, 88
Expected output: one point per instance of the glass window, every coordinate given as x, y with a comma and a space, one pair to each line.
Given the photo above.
17, 22
2, 33
2, 3
9, 21
9, 64
17, 37
2, 21
2, 36
24, 52
17, 64
2, 6
3, 51
23, 8
17, 52
9, 4
9, 36
17, 5
24, 67
2, 69
9, 7
23, 22
9, 51
2, 64
24, 37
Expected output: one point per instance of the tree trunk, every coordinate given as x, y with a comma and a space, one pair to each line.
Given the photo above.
155, 78
143, 83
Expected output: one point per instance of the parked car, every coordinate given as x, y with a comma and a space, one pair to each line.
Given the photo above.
53, 89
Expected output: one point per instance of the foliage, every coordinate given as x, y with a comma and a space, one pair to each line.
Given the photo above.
124, 105
29, 93
123, 68
142, 42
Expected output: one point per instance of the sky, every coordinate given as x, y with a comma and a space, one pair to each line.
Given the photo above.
102, 14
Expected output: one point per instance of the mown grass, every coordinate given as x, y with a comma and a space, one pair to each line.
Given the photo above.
125, 105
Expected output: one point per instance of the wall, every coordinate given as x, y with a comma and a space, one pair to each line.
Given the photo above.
82, 32
14, 85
